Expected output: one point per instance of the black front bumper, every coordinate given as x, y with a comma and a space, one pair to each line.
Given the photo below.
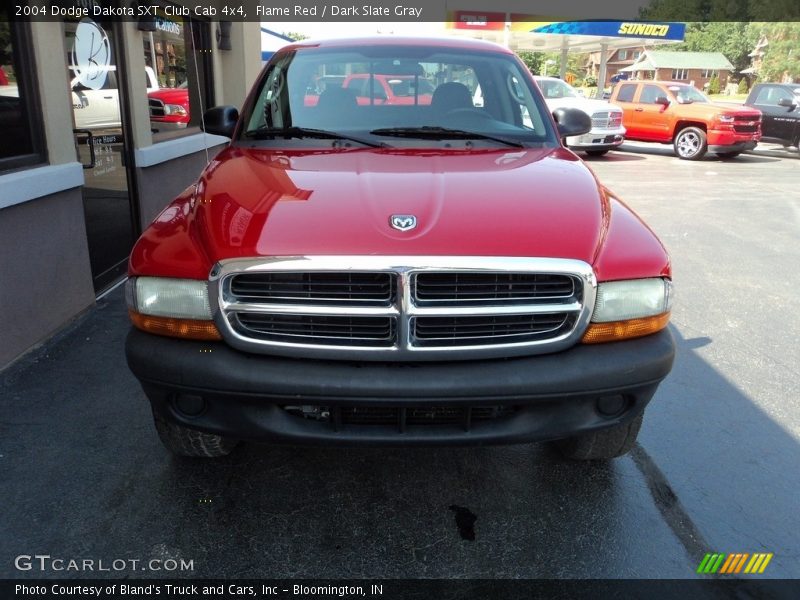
243, 395
739, 147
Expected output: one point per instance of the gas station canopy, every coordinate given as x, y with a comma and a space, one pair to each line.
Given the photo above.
523, 32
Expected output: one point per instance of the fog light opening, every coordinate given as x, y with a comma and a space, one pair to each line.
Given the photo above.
612, 406
189, 404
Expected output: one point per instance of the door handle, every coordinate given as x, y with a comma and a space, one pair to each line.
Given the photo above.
90, 143
108, 97
638, 110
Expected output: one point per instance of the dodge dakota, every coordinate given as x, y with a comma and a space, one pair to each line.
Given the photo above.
353, 272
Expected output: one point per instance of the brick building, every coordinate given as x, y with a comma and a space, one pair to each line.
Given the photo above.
696, 68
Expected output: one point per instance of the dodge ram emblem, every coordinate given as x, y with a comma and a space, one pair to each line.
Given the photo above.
403, 222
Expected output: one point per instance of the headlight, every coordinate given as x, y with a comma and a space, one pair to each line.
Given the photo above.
175, 109
725, 118
628, 309
173, 307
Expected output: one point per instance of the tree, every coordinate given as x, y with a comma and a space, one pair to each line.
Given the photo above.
532, 60
742, 89
713, 85
734, 39
295, 36
782, 53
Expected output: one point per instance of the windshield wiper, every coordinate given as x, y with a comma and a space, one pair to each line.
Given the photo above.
442, 133
306, 132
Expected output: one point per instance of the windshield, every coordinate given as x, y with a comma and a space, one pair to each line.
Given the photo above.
397, 96
555, 88
686, 94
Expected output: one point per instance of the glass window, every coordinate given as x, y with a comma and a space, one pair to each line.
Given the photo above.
679, 74
686, 94
622, 55
650, 93
771, 95
626, 92
19, 113
555, 88
390, 94
178, 75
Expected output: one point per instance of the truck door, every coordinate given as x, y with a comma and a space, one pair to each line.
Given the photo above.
777, 121
624, 98
653, 117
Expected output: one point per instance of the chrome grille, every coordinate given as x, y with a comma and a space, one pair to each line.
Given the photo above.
606, 120
402, 308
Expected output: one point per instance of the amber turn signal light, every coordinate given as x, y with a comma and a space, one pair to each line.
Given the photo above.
623, 330
188, 329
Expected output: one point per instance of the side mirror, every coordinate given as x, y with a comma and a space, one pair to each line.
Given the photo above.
663, 101
572, 121
786, 102
220, 120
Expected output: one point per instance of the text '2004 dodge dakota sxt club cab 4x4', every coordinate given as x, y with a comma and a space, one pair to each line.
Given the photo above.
427, 273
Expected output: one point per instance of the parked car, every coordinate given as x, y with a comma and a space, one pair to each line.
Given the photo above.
607, 131
780, 115
361, 274
99, 109
386, 89
169, 108
678, 114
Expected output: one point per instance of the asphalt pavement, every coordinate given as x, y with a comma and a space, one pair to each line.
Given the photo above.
83, 475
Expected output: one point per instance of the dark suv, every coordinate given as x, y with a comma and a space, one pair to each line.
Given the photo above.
778, 103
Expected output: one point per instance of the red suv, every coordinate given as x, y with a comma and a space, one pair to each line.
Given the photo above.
442, 273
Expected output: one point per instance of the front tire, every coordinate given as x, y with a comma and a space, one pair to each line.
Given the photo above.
690, 143
603, 444
596, 152
728, 155
183, 441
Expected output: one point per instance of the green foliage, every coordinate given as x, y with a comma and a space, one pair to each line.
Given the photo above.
742, 89
721, 10
734, 39
590, 81
532, 60
295, 36
713, 85
782, 54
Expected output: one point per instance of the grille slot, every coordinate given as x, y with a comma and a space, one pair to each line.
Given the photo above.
319, 329
339, 288
741, 128
485, 330
401, 417
156, 107
487, 288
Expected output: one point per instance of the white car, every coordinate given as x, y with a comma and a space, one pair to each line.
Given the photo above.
607, 131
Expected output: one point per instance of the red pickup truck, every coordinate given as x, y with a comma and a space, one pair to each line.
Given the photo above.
368, 274
678, 114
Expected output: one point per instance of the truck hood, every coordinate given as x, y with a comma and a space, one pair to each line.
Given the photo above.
587, 105
171, 95
708, 110
533, 202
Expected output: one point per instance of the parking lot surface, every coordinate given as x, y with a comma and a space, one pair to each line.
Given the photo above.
83, 475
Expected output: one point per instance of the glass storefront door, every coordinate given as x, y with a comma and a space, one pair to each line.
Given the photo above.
99, 135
